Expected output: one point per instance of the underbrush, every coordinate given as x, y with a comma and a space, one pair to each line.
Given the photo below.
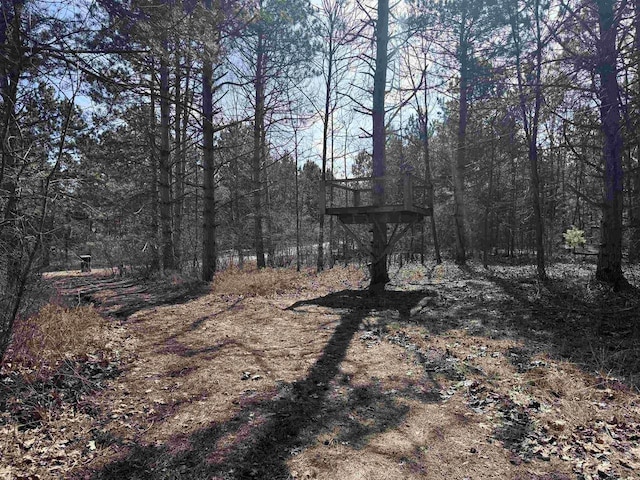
56, 357
56, 333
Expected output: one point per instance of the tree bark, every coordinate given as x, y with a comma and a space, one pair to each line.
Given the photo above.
236, 216
179, 156
634, 207
486, 244
209, 249
256, 163
297, 198
168, 260
325, 132
459, 161
13, 278
9, 82
426, 155
609, 267
271, 253
379, 274
153, 148
531, 128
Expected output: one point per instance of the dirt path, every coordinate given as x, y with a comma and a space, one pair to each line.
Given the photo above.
448, 375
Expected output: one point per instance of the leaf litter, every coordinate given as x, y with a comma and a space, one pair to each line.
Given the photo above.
278, 374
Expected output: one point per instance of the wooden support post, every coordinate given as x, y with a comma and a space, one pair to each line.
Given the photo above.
366, 249
323, 197
379, 274
407, 187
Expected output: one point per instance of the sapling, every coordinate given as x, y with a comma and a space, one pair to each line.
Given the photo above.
574, 237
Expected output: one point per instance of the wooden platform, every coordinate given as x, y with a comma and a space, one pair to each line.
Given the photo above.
399, 202
353, 202
381, 214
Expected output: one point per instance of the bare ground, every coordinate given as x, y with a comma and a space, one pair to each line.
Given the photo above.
449, 374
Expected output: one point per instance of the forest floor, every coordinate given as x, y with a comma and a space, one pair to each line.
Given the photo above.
449, 374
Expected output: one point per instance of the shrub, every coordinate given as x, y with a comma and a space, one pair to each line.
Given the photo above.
55, 333
574, 237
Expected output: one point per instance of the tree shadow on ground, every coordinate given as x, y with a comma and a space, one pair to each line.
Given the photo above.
598, 331
127, 296
583, 323
269, 429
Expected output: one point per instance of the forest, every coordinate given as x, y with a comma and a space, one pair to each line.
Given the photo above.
183, 152
186, 137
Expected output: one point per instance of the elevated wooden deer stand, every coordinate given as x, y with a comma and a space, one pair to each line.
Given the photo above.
357, 201
380, 200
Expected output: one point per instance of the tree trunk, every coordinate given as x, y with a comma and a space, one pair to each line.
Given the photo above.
271, 253
634, 213
513, 227
297, 196
427, 175
13, 278
634, 196
379, 274
179, 158
486, 244
168, 260
209, 250
531, 128
325, 138
9, 80
236, 216
533, 153
256, 163
458, 164
332, 239
609, 268
155, 226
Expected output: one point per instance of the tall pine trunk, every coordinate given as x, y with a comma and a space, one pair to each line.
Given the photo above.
270, 246
531, 128
164, 177
609, 267
379, 274
426, 156
325, 141
256, 160
13, 278
179, 167
486, 244
236, 215
634, 207
459, 160
153, 148
209, 251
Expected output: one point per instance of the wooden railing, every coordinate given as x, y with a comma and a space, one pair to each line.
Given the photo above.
406, 192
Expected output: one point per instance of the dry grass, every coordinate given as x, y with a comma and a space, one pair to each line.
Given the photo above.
57, 359
55, 333
251, 282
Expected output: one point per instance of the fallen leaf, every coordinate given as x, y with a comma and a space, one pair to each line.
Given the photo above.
28, 443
